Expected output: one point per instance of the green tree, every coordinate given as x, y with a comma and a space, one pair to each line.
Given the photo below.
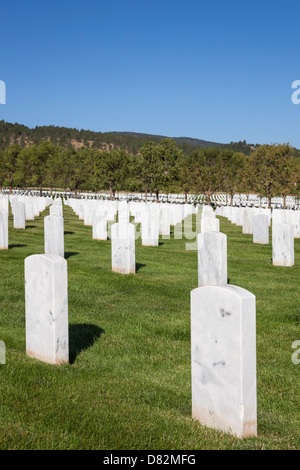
54, 168
207, 173
43, 153
75, 169
168, 154
148, 167
184, 174
231, 164
24, 172
9, 163
111, 170
273, 171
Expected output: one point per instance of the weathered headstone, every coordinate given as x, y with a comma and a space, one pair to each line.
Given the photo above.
223, 345
46, 308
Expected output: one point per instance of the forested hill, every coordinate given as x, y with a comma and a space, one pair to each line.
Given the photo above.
129, 141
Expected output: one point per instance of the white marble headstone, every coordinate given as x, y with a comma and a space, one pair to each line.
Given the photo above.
123, 212
54, 235
3, 230
46, 308
100, 227
123, 248
247, 221
223, 345
260, 225
209, 223
56, 209
150, 225
282, 245
19, 214
212, 258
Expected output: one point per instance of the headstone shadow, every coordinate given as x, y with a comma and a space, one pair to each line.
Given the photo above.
68, 254
81, 337
16, 246
139, 266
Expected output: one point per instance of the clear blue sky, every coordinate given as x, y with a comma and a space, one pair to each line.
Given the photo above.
219, 71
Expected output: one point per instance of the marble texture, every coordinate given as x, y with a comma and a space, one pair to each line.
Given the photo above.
223, 352
54, 235
46, 308
123, 248
3, 230
282, 245
212, 258
260, 227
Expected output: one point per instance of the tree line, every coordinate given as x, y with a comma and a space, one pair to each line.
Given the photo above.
157, 167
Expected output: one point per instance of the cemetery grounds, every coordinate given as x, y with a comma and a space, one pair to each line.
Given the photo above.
128, 383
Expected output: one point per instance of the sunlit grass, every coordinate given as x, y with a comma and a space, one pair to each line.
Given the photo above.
128, 384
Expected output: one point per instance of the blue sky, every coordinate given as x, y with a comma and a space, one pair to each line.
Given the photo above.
219, 71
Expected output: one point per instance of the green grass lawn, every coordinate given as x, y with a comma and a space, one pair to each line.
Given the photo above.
128, 383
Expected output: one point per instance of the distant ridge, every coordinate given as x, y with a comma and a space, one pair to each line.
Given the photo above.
130, 141
180, 140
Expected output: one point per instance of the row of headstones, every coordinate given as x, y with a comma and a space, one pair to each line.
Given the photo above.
23, 208
223, 344
218, 395
155, 219
218, 199
46, 298
253, 200
285, 227
222, 333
